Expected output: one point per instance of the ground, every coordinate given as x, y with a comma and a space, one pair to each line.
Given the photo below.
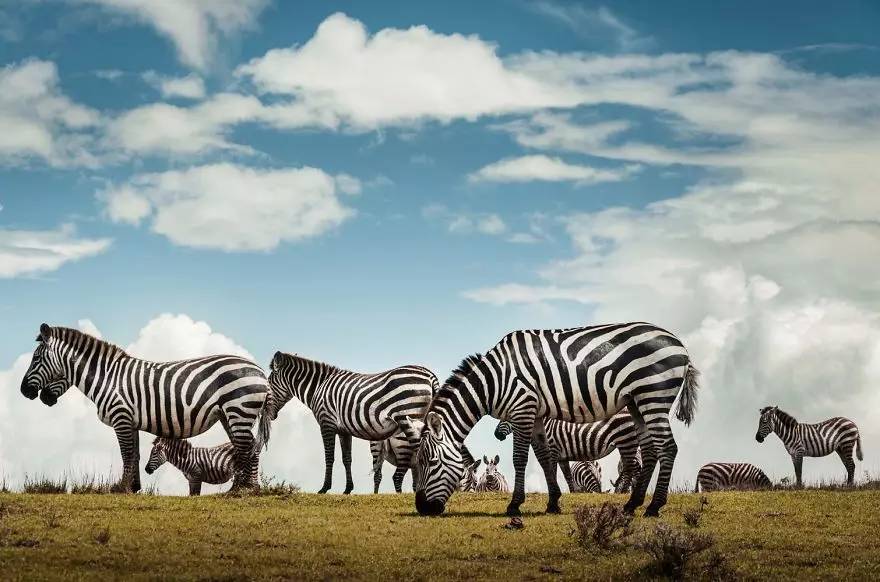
771, 535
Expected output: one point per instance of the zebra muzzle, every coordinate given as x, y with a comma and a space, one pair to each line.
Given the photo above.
48, 397
425, 507
759, 438
29, 391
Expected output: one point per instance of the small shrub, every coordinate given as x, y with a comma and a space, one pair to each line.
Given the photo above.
44, 485
92, 485
102, 536
52, 517
605, 526
270, 488
672, 549
694, 515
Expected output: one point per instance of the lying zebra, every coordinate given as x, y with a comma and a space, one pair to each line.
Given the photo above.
586, 477
571, 441
492, 479
720, 476
837, 434
199, 465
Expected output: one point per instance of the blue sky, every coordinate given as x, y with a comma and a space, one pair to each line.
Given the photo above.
374, 184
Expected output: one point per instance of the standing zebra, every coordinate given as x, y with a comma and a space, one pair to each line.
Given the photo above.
368, 406
169, 399
582, 374
801, 440
586, 477
469, 480
394, 450
720, 476
199, 465
569, 441
492, 479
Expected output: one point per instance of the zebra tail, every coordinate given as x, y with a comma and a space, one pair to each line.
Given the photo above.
687, 401
265, 423
859, 447
697, 486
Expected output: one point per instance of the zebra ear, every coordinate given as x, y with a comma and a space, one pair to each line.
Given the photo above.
497, 459
485, 459
435, 424
45, 332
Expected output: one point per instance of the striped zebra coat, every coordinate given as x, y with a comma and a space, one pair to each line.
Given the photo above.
367, 406
583, 374
169, 399
469, 479
569, 441
397, 450
199, 465
492, 479
586, 477
721, 476
837, 434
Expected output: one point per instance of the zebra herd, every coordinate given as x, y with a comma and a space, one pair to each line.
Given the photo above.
572, 395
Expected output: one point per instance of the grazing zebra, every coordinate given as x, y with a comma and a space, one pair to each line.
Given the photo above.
801, 440
586, 477
368, 406
720, 476
199, 465
580, 375
569, 441
169, 399
492, 479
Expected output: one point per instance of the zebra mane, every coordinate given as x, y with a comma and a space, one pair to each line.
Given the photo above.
74, 335
785, 418
288, 359
464, 368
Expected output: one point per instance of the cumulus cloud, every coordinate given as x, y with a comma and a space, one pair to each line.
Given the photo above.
196, 27
39, 121
188, 87
177, 337
232, 208
548, 169
30, 252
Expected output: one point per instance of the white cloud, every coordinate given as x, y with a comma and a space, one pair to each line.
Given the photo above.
549, 169
344, 71
232, 208
178, 337
196, 27
188, 87
39, 121
30, 252
590, 22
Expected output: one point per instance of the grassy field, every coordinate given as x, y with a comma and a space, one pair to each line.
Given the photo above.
776, 535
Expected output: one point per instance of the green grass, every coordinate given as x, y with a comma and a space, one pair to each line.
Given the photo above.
775, 535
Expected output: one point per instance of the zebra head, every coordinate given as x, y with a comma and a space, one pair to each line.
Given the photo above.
45, 375
157, 456
491, 474
503, 429
766, 423
438, 465
468, 482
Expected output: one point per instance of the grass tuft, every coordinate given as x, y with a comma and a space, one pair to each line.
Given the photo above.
672, 549
270, 488
92, 485
44, 485
694, 515
603, 526
102, 536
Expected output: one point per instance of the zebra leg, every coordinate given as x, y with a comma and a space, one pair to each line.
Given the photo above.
376, 451
345, 443
566, 472
397, 479
127, 436
547, 457
649, 461
328, 435
521, 442
798, 461
667, 452
847, 458
195, 488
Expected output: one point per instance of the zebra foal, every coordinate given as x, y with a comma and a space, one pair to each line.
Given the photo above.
492, 479
214, 465
721, 476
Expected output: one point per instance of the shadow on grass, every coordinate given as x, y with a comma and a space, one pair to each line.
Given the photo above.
473, 514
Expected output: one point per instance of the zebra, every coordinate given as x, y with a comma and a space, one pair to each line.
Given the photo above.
169, 399
394, 449
569, 441
469, 479
801, 440
586, 477
368, 406
582, 374
492, 479
199, 465
720, 476
625, 479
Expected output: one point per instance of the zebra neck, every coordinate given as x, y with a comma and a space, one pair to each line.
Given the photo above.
789, 433
89, 364
178, 454
460, 411
306, 382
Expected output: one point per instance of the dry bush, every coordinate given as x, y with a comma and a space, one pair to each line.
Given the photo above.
604, 526
270, 488
672, 549
92, 485
102, 536
44, 485
694, 515
52, 517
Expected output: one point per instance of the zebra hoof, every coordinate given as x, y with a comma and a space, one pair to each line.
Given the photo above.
652, 512
629, 509
513, 511
322, 491
347, 491
554, 508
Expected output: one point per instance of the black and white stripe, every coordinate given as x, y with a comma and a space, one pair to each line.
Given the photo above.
838, 434
569, 441
169, 399
586, 477
397, 450
367, 406
469, 479
583, 374
199, 465
740, 476
492, 479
